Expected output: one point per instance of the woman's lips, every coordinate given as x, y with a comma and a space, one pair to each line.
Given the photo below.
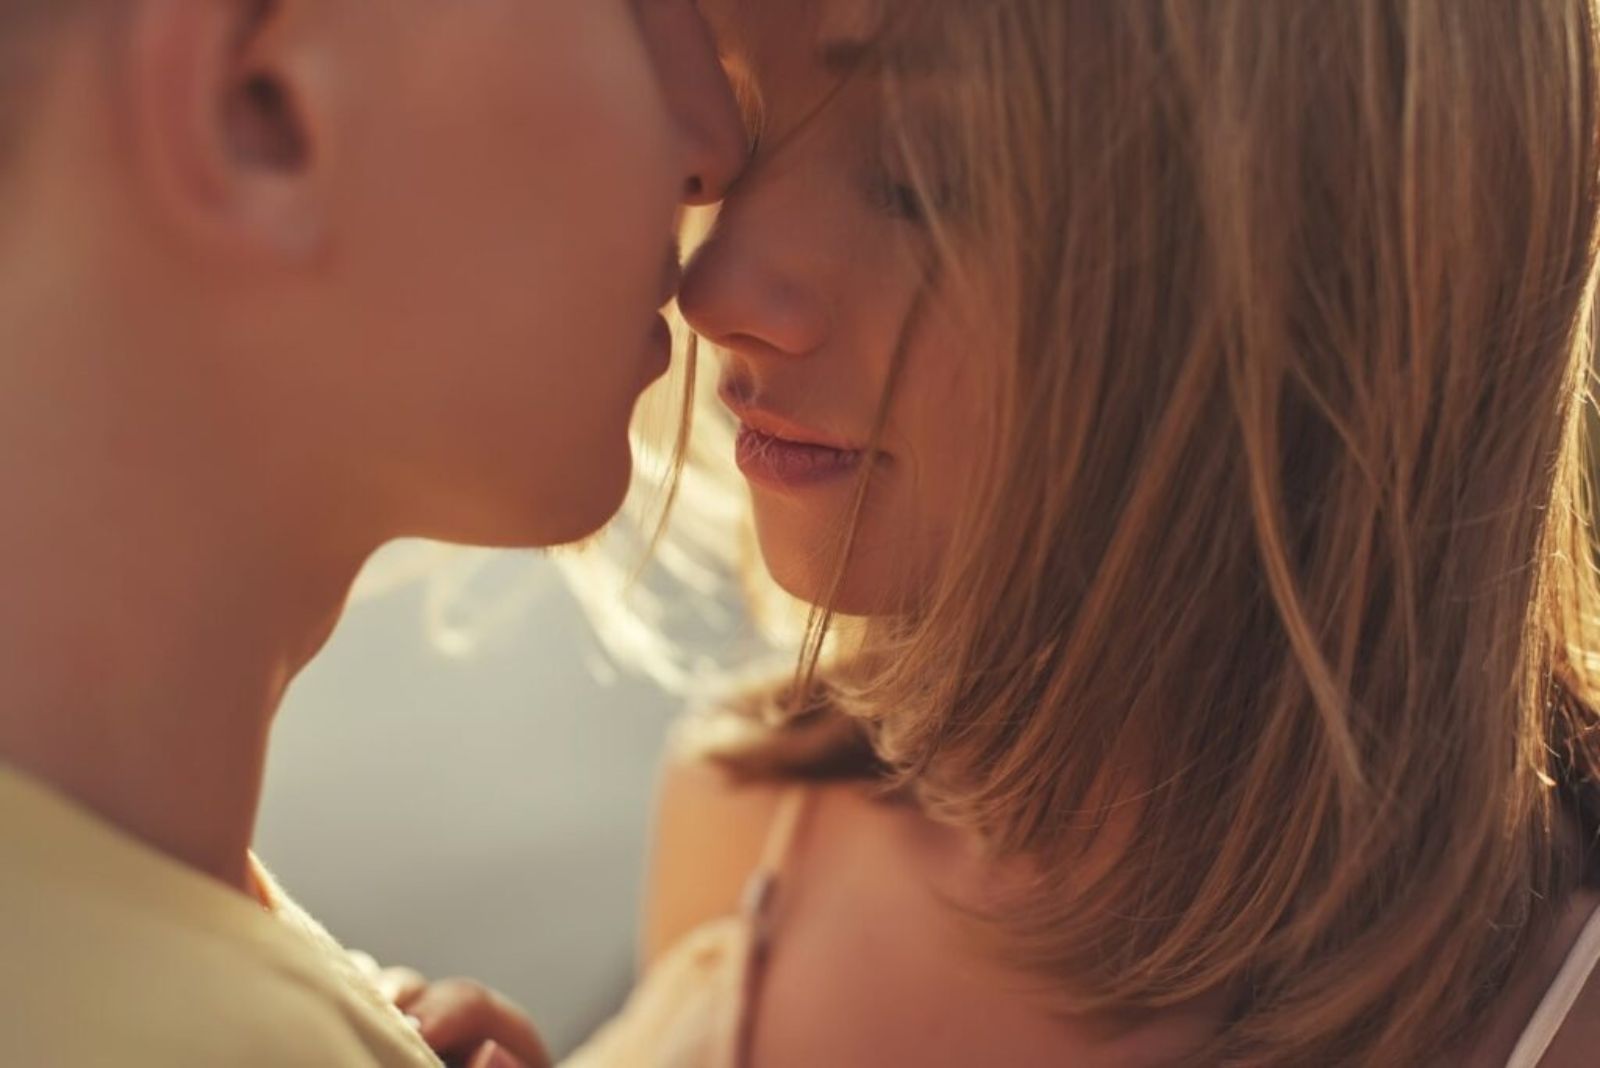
776, 451
783, 463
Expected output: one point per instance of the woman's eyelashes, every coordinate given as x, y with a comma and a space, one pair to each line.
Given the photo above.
896, 198
908, 179
910, 194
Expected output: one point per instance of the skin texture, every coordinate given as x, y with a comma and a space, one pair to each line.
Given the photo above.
807, 285
281, 282
508, 410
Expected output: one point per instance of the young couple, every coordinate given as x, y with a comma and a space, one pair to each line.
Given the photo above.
1173, 412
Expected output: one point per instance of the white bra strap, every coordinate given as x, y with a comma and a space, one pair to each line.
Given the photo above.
1558, 1000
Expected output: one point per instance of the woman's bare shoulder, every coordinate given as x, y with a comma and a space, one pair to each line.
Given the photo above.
1577, 1045
1578, 1038
1578, 1041
709, 832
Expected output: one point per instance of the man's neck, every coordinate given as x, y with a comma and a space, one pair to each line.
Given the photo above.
153, 617
145, 691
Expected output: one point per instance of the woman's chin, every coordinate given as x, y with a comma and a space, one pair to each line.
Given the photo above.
808, 577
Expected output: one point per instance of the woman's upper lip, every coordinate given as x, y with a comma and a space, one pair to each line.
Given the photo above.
765, 421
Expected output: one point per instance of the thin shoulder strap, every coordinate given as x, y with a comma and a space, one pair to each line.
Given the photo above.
785, 826
1559, 999
760, 896
775, 856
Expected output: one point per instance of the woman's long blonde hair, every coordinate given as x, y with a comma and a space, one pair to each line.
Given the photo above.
1280, 543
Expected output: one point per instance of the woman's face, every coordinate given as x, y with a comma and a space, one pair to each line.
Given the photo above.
817, 269
505, 190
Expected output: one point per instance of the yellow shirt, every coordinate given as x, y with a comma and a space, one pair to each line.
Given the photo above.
113, 954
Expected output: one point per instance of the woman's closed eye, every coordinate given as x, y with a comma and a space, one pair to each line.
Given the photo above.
896, 198
908, 174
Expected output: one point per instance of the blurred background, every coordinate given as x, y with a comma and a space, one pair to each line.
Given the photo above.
466, 789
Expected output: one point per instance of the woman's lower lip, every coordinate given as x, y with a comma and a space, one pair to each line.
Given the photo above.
791, 464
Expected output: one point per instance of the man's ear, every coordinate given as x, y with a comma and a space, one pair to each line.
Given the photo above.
221, 118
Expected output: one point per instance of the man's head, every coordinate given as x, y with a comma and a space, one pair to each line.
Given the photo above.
397, 261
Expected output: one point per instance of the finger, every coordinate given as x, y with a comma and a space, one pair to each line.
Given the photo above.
365, 963
401, 986
456, 1015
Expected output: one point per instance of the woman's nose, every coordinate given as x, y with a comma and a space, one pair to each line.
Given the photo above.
748, 303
